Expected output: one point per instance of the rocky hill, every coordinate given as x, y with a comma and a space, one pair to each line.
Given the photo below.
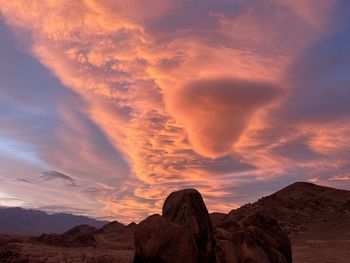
316, 218
185, 233
297, 207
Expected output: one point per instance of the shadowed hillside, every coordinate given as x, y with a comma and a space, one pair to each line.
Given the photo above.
298, 207
316, 218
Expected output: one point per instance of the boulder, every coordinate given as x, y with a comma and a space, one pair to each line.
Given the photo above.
225, 252
231, 226
267, 244
187, 208
185, 233
252, 252
158, 240
217, 218
270, 235
254, 232
222, 234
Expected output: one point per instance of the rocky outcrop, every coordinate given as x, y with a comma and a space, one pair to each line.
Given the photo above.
187, 208
257, 238
217, 218
79, 236
158, 240
225, 250
185, 233
270, 235
110, 227
299, 207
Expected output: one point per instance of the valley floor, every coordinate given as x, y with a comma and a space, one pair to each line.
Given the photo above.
325, 243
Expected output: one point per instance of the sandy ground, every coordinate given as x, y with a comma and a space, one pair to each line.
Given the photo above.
50, 254
108, 250
325, 243
321, 251
307, 248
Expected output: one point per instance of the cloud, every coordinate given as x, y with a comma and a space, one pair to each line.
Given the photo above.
320, 77
296, 149
216, 112
53, 175
65, 209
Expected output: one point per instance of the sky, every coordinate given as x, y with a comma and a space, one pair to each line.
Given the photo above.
107, 106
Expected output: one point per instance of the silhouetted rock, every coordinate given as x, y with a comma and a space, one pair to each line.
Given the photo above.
255, 232
253, 238
225, 251
158, 240
270, 235
299, 206
223, 234
114, 226
79, 236
252, 251
131, 227
231, 226
217, 218
82, 235
187, 208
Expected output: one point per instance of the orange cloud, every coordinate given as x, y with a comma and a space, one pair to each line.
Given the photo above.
215, 112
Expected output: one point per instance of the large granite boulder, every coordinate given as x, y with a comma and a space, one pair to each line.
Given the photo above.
158, 240
252, 251
185, 233
225, 251
258, 236
217, 218
187, 208
270, 236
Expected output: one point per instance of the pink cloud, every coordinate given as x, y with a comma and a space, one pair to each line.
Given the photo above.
216, 112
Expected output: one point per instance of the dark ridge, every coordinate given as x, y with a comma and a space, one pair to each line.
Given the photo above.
298, 206
17, 220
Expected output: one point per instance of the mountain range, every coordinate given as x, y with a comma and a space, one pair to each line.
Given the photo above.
17, 220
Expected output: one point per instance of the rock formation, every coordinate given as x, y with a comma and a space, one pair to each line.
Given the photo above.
158, 240
110, 227
78, 236
296, 207
187, 208
185, 233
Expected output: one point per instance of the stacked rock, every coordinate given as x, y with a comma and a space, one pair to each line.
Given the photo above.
185, 233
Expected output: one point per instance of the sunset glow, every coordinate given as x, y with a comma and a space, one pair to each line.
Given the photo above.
108, 106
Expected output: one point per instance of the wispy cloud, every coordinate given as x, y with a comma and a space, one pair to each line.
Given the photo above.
53, 175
